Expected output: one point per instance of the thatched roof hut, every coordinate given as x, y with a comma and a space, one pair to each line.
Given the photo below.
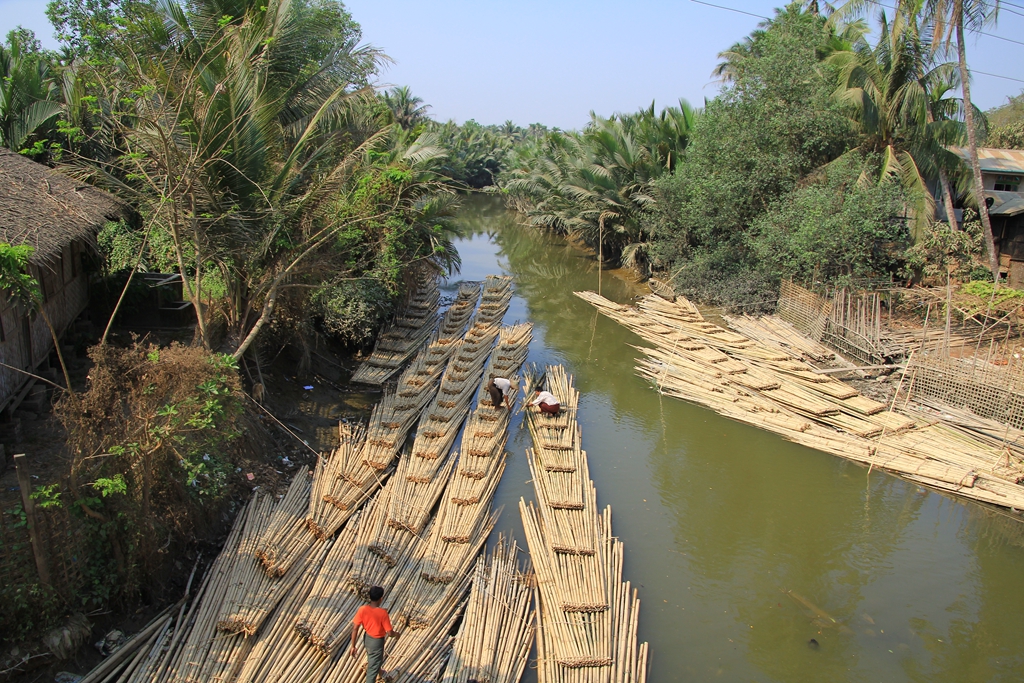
59, 217
47, 209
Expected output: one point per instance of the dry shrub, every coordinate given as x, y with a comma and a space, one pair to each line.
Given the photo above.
155, 443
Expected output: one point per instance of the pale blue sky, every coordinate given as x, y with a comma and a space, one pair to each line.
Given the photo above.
552, 61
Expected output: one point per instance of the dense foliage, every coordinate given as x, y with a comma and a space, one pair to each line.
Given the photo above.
594, 186
1006, 124
822, 156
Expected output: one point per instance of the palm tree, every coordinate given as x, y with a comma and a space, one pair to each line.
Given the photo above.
595, 185
408, 110
891, 90
28, 94
947, 19
244, 171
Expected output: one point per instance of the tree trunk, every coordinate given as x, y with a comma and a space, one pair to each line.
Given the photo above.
947, 194
972, 143
56, 347
947, 200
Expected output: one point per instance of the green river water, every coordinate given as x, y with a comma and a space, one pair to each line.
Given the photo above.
745, 547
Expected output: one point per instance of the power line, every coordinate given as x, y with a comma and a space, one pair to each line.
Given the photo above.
730, 9
985, 73
981, 33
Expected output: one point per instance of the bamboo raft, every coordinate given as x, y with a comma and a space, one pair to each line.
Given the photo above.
587, 617
497, 630
276, 605
407, 333
442, 420
786, 397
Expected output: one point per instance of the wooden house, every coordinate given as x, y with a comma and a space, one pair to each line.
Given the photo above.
59, 217
1002, 175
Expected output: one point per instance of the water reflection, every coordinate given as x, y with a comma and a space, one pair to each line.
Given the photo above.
744, 546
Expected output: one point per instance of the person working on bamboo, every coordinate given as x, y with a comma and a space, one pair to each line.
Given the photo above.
377, 624
500, 390
546, 401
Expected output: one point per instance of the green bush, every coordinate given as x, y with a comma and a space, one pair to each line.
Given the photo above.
834, 227
353, 310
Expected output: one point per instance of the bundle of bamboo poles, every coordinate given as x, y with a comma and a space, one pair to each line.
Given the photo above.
278, 652
324, 620
774, 332
333, 497
440, 567
287, 536
786, 397
329, 596
412, 501
581, 636
409, 331
577, 647
495, 301
442, 420
182, 645
556, 437
380, 546
494, 639
253, 591
587, 616
417, 656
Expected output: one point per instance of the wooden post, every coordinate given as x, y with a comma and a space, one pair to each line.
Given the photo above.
25, 483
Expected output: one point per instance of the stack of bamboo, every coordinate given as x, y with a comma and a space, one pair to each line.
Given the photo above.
557, 438
263, 570
185, 646
494, 639
760, 385
442, 420
333, 497
404, 336
360, 464
585, 647
774, 332
495, 301
587, 615
279, 653
482, 454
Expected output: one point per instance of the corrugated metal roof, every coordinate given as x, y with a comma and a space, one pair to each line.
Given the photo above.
994, 160
1013, 207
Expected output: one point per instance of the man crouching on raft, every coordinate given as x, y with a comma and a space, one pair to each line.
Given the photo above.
377, 624
546, 401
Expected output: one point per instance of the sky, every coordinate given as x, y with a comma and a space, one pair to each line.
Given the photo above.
554, 61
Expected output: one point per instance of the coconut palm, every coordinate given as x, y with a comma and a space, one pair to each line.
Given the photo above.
408, 110
890, 90
28, 94
595, 185
949, 20
263, 187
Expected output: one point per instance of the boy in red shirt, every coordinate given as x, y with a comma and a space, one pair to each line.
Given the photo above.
375, 622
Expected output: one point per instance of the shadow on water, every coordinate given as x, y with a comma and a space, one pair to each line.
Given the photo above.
746, 547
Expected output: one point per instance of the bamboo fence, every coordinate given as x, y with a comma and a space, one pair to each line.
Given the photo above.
407, 333
787, 397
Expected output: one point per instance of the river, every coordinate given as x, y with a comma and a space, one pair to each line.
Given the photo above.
745, 547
